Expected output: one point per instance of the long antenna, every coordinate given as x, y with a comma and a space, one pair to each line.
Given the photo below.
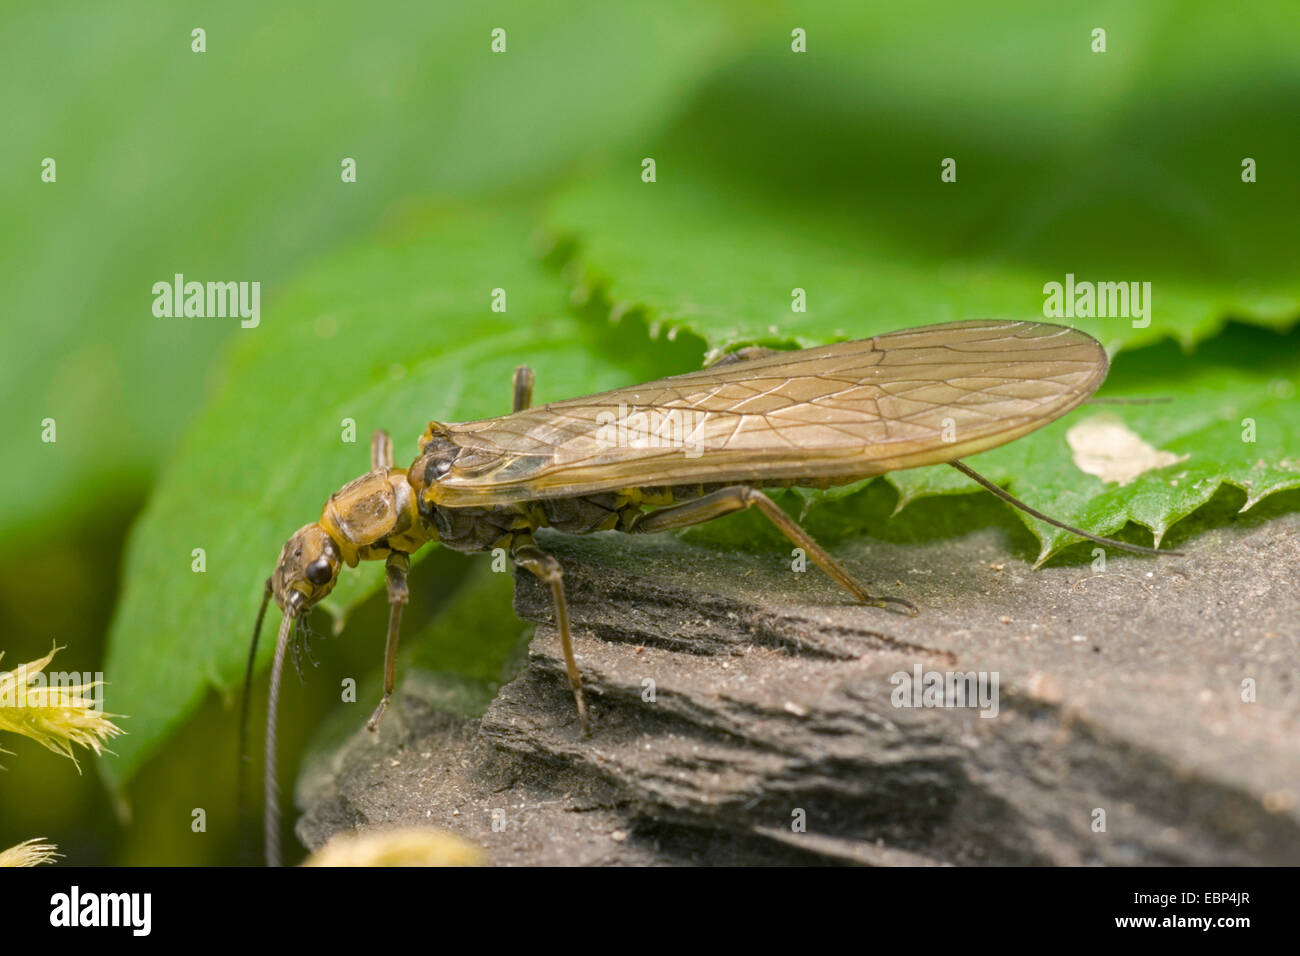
272, 809
1163, 400
1006, 496
241, 775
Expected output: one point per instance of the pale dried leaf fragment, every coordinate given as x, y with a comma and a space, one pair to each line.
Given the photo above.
1106, 447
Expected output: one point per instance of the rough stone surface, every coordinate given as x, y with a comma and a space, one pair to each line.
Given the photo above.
1119, 691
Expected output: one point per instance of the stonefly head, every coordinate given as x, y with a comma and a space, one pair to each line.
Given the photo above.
307, 570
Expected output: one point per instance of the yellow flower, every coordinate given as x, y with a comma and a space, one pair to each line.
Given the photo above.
29, 853
56, 714
409, 846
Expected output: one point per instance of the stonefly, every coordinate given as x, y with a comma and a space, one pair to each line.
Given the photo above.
678, 452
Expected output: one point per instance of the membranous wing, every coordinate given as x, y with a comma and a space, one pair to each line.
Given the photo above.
834, 413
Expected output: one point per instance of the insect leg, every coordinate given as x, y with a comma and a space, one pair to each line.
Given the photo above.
396, 568
528, 555
727, 500
381, 449
523, 388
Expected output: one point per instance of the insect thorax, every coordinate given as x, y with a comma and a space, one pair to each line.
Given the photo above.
372, 515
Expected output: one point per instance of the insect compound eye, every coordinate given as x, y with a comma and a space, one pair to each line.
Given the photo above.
319, 572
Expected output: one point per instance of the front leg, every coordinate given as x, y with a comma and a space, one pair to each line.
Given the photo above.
396, 570
528, 555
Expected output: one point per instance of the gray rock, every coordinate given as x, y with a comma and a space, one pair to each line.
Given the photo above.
772, 705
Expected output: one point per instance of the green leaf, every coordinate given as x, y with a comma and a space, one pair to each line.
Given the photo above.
225, 165
818, 171
387, 335
821, 172
699, 258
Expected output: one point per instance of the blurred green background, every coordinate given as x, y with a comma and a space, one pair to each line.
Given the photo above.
523, 170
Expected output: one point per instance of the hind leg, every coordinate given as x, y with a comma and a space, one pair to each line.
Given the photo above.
740, 497
528, 555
